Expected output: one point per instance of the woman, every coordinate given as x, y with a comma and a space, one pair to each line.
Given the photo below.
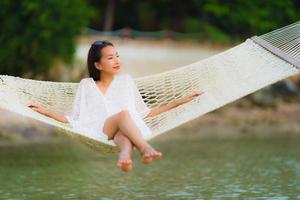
109, 103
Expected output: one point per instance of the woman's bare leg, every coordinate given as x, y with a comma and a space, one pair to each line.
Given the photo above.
125, 123
125, 145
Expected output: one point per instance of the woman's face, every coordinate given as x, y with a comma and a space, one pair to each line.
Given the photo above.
110, 61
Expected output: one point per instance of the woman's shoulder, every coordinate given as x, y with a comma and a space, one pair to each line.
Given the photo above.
85, 80
122, 77
126, 76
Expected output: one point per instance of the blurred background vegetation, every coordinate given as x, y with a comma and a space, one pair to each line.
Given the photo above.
36, 34
49, 39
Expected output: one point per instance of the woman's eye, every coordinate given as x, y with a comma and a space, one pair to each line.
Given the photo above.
109, 58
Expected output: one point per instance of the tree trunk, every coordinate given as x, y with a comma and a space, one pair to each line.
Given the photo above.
109, 15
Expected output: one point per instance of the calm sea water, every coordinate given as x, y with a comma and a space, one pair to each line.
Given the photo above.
191, 168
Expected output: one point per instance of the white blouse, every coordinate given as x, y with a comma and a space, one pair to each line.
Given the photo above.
91, 107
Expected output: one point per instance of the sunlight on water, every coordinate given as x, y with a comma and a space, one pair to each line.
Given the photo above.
191, 168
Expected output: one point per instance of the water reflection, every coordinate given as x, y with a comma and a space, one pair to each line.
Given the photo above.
191, 168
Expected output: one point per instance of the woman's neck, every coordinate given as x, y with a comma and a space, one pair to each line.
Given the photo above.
106, 79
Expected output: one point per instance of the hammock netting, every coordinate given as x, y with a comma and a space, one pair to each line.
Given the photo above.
225, 77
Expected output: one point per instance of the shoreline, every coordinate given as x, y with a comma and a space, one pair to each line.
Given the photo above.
232, 122
228, 122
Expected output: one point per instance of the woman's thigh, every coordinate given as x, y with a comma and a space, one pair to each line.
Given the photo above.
110, 126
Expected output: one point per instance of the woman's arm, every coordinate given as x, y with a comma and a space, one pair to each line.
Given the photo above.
48, 113
168, 106
162, 108
75, 107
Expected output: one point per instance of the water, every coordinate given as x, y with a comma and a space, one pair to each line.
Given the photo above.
191, 168
144, 58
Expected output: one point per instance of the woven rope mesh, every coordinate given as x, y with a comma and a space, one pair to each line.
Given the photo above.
224, 78
286, 39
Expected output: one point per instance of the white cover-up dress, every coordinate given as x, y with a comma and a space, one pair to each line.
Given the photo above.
91, 107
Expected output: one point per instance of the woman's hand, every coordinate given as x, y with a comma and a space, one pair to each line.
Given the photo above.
38, 108
189, 98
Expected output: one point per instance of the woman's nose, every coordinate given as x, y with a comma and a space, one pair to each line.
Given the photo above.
117, 61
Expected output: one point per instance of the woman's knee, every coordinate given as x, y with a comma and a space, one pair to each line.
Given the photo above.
124, 114
110, 125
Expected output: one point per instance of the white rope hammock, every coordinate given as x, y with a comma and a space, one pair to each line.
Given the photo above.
225, 77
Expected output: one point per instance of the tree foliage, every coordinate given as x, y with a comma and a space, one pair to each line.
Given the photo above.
34, 33
219, 20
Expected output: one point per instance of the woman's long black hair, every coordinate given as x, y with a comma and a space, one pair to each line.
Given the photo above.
95, 55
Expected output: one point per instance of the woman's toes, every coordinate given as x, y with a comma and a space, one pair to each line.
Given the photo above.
154, 154
125, 165
124, 162
129, 162
128, 168
149, 154
158, 154
146, 160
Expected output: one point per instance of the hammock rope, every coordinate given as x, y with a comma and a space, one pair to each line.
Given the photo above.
225, 77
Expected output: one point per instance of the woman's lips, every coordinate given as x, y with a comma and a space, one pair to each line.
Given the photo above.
117, 67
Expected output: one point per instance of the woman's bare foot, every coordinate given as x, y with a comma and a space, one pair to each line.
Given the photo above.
125, 162
148, 153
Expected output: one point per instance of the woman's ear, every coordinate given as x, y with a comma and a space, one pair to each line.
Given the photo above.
97, 65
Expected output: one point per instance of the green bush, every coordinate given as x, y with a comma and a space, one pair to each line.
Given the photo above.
35, 33
242, 19
216, 35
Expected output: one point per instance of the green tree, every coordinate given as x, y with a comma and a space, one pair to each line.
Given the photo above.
35, 33
217, 20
